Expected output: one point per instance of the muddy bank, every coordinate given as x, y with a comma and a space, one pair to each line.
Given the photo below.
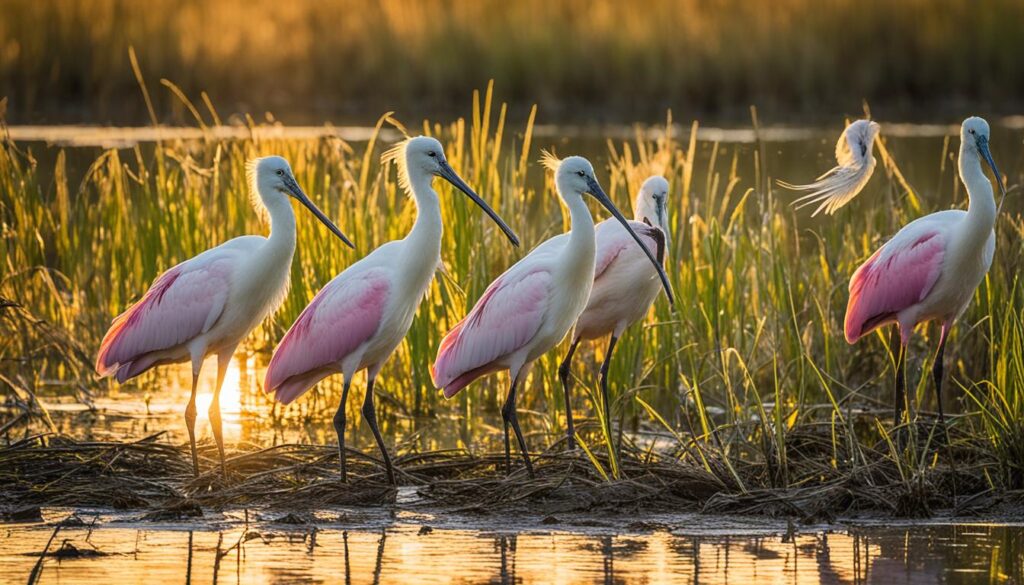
153, 478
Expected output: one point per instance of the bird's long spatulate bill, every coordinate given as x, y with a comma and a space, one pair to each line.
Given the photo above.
448, 174
301, 196
663, 223
600, 195
983, 147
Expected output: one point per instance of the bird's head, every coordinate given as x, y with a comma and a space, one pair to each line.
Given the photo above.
273, 174
422, 158
651, 203
574, 177
975, 129
272, 181
974, 137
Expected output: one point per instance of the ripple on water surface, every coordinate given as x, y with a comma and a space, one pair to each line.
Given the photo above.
374, 546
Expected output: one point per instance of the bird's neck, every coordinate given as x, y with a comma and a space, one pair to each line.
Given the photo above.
425, 237
981, 211
282, 226
582, 245
642, 210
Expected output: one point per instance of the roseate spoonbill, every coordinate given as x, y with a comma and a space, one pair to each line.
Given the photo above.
529, 309
358, 319
930, 268
206, 305
625, 285
842, 183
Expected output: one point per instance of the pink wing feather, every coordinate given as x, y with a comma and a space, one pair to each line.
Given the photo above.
899, 275
343, 315
505, 319
612, 239
182, 304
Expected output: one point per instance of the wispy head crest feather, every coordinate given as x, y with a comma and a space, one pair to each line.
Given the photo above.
254, 193
396, 155
854, 166
550, 161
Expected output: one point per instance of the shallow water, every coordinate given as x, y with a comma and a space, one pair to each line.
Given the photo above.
354, 546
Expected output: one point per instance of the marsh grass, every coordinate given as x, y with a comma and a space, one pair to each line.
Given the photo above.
748, 364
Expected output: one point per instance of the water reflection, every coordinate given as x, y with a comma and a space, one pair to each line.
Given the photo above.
407, 553
249, 416
230, 401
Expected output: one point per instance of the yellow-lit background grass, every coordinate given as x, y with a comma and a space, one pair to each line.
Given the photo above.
351, 59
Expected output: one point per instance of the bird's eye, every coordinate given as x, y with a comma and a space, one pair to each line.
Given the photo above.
581, 173
432, 154
280, 173
971, 130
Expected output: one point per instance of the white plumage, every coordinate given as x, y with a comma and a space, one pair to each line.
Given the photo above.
529, 309
359, 318
625, 285
207, 304
930, 269
842, 183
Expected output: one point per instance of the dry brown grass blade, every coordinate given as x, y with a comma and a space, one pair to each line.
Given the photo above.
152, 475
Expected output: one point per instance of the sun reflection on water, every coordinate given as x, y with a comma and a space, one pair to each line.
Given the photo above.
402, 552
230, 398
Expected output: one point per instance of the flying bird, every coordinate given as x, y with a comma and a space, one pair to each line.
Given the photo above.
358, 319
208, 304
842, 183
530, 308
930, 269
625, 284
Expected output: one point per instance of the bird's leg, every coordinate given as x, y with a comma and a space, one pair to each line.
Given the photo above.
371, 419
508, 414
937, 372
900, 397
565, 375
504, 426
612, 455
937, 375
339, 427
607, 406
190, 421
508, 454
223, 360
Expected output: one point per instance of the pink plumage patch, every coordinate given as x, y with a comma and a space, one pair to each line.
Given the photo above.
180, 305
896, 277
612, 239
505, 319
343, 315
109, 356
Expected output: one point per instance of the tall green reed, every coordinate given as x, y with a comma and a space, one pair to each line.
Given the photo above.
752, 351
